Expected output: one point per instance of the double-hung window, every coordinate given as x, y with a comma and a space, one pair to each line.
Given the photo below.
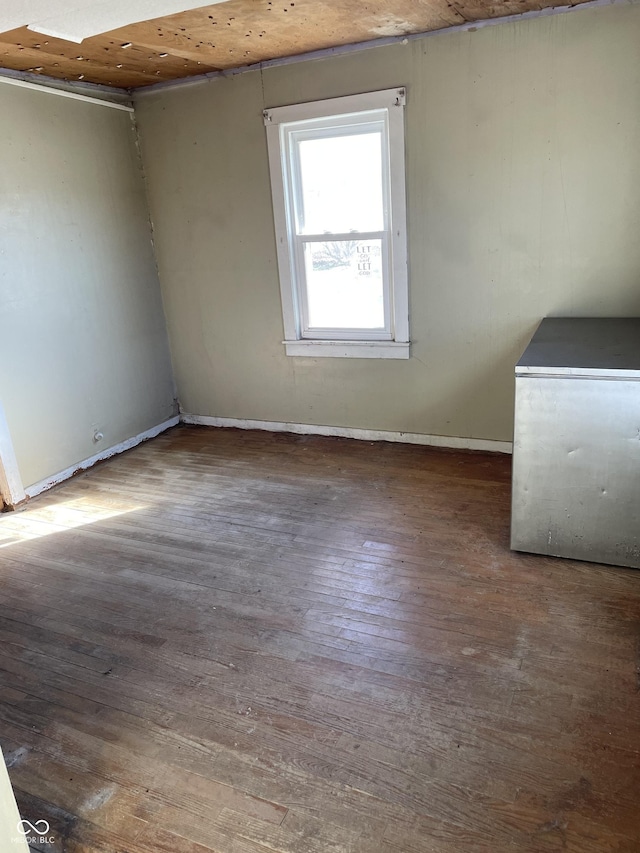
338, 187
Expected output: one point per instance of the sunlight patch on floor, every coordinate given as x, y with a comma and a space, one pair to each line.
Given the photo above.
57, 518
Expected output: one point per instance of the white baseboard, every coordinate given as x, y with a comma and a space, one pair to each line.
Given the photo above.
48, 482
450, 441
453, 442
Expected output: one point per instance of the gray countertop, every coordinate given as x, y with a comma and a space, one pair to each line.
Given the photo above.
584, 346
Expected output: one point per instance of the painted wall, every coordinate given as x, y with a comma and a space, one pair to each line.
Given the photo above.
523, 180
10, 837
82, 333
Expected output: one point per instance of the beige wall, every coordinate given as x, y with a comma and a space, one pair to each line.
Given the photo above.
82, 333
10, 837
523, 159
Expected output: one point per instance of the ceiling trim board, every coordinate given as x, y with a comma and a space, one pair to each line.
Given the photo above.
115, 93
53, 86
356, 47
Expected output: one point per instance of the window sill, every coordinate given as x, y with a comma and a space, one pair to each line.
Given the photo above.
347, 349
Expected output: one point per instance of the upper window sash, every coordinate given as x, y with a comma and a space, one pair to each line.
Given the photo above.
372, 124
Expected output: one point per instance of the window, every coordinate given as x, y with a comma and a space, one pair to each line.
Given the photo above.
337, 179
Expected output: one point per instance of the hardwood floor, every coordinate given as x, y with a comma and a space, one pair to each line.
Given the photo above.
249, 642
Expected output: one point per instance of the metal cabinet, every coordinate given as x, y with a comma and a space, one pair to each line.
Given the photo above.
576, 453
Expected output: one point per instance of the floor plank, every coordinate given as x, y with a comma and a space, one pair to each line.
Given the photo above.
245, 642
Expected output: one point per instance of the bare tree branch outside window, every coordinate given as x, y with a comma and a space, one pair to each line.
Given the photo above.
330, 255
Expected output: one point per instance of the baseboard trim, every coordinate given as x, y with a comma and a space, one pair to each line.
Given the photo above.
449, 441
49, 482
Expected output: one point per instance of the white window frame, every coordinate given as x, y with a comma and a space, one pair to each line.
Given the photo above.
284, 124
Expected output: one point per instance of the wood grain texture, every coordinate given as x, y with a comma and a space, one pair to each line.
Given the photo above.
245, 642
238, 33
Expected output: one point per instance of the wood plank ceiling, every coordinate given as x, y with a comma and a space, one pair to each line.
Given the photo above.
236, 33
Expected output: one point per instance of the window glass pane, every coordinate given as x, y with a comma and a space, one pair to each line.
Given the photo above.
345, 284
341, 183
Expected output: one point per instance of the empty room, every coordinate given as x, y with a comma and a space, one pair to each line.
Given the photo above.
319, 426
